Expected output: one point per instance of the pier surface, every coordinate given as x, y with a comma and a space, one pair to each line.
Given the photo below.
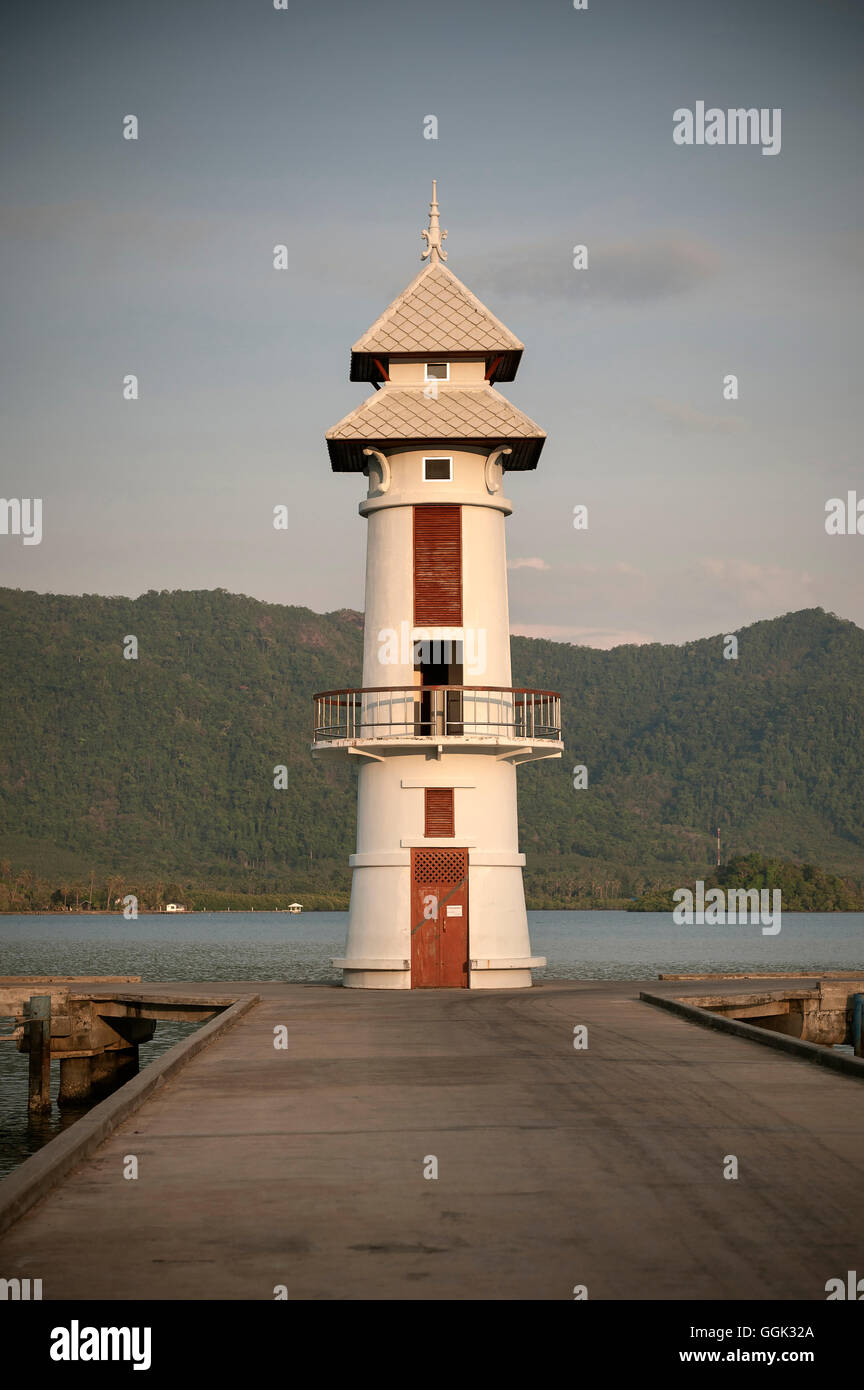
304, 1166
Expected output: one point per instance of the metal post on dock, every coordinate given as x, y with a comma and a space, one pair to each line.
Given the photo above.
39, 1047
858, 1024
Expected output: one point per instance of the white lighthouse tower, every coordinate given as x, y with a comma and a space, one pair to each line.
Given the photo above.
437, 729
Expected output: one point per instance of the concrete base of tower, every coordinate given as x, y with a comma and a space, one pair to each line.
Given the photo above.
501, 979
504, 974
372, 975
483, 917
509, 977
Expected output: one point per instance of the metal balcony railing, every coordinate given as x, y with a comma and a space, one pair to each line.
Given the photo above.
436, 711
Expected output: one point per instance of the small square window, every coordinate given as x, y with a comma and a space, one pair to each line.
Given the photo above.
437, 371
438, 470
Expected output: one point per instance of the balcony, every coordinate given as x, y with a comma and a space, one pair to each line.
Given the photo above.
501, 715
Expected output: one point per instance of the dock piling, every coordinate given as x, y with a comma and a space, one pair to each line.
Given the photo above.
39, 1040
76, 1082
113, 1068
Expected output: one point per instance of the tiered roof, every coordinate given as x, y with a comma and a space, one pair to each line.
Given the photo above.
436, 314
472, 415
435, 317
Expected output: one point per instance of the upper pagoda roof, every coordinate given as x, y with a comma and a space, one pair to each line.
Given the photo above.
437, 315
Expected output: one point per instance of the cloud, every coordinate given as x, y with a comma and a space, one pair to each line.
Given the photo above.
607, 605
625, 271
684, 417
755, 587
191, 246
602, 638
527, 564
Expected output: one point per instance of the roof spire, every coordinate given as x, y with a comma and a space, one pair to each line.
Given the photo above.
433, 237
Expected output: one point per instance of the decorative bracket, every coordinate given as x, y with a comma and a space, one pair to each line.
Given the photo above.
494, 468
378, 473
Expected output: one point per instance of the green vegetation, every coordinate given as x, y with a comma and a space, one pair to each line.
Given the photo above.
157, 774
21, 890
803, 888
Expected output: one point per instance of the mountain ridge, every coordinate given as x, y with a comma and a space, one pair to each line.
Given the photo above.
164, 765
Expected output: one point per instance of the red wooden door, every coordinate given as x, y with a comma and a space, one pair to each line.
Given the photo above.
439, 918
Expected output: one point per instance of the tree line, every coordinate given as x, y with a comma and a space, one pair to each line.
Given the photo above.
158, 773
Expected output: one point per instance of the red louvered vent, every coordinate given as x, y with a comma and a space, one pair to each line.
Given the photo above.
439, 813
438, 566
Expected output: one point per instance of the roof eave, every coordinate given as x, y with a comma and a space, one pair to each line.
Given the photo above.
346, 455
364, 368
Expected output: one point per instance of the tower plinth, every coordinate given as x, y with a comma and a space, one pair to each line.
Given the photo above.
437, 728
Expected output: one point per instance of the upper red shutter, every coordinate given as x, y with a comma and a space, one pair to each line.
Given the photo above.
438, 566
439, 813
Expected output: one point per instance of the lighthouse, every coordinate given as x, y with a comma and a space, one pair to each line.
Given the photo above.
437, 730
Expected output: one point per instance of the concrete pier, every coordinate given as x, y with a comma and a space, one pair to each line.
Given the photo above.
310, 1165
85, 1079
114, 1068
93, 1026
76, 1083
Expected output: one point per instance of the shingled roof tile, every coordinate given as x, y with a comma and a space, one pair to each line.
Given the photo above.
437, 313
407, 414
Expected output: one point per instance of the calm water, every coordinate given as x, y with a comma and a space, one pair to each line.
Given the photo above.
276, 946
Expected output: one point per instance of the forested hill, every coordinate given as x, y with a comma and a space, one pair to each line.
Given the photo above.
163, 766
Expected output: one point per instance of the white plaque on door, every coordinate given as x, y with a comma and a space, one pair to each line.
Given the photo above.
454, 912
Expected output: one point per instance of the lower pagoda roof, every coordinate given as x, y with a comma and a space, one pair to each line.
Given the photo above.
411, 418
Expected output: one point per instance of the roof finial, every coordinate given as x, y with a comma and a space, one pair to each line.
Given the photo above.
433, 237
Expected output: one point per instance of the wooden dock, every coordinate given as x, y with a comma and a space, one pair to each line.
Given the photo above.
303, 1166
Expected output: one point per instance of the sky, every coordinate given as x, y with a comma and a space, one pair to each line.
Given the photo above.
304, 126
